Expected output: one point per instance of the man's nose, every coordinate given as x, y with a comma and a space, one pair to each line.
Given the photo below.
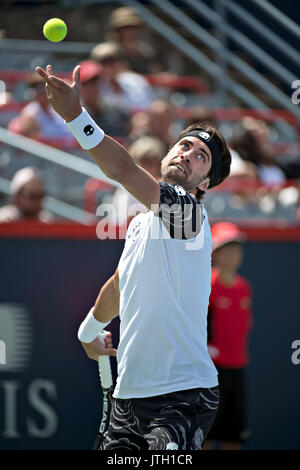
185, 158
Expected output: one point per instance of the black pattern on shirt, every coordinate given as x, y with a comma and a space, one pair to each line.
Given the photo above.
181, 212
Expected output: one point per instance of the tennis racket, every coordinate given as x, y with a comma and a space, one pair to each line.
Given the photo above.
107, 389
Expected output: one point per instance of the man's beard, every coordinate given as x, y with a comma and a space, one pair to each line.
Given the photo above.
181, 180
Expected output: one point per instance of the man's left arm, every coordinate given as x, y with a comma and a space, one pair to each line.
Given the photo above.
108, 301
105, 309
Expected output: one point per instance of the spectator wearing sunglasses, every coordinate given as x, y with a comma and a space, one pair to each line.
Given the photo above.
27, 195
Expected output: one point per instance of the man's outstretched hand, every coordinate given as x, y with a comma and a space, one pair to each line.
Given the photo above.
64, 98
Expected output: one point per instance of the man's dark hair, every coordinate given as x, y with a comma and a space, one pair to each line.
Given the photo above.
223, 149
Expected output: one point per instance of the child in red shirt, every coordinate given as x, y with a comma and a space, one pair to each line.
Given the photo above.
229, 324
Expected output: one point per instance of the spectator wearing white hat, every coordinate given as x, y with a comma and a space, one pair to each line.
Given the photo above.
27, 194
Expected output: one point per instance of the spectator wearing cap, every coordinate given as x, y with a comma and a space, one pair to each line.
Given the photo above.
119, 85
148, 153
113, 119
125, 28
38, 120
157, 121
229, 325
27, 194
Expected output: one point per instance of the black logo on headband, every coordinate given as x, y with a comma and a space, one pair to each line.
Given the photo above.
88, 130
204, 135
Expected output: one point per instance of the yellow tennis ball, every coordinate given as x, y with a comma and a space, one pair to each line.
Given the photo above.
55, 30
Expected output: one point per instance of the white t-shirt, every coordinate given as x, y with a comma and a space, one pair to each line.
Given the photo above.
136, 92
164, 293
51, 124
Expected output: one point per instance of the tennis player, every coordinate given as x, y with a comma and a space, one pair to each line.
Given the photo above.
166, 395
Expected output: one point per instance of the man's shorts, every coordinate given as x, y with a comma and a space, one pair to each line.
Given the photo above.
178, 420
229, 424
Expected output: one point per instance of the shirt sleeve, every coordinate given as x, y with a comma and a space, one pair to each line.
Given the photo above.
181, 212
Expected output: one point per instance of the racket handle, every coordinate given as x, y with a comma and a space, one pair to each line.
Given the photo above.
104, 366
105, 371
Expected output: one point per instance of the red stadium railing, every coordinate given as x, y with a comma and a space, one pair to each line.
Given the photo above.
177, 82
168, 80
12, 77
235, 114
222, 114
66, 230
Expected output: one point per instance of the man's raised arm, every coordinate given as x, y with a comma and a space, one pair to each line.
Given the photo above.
109, 155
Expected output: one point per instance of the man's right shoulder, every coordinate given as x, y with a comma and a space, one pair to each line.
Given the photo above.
180, 211
174, 193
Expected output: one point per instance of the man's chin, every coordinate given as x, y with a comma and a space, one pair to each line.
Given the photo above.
175, 178
183, 184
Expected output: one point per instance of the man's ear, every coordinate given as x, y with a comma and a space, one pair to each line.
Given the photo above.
203, 186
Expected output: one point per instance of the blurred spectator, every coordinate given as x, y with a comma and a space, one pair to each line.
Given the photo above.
148, 153
27, 194
252, 143
161, 117
110, 117
229, 325
122, 87
125, 28
6, 94
298, 207
200, 114
290, 164
38, 119
156, 122
240, 168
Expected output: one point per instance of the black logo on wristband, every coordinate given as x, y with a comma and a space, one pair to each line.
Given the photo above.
88, 130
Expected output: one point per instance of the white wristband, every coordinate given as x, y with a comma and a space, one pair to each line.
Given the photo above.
85, 130
90, 327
